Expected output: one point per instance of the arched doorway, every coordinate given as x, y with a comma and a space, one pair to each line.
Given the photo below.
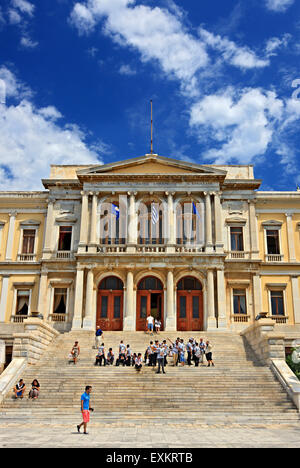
189, 304
110, 304
149, 300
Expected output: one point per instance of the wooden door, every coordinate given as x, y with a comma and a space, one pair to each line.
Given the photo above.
189, 310
110, 310
145, 302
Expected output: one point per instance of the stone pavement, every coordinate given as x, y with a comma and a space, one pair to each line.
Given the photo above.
154, 436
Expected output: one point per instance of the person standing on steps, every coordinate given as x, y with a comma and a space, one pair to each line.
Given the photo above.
150, 324
101, 356
75, 352
202, 347
208, 354
85, 408
160, 359
99, 334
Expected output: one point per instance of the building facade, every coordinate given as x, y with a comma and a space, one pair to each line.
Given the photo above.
198, 246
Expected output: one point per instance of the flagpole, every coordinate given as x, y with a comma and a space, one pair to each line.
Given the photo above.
151, 129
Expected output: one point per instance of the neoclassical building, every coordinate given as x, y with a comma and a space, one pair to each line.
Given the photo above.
198, 246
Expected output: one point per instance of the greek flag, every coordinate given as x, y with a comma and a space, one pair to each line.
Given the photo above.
195, 211
115, 210
155, 216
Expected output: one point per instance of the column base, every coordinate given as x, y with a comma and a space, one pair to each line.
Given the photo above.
88, 324
128, 324
211, 323
209, 248
222, 322
170, 324
76, 325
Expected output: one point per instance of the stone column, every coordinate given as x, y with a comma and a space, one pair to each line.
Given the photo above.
257, 296
222, 322
49, 227
93, 234
253, 231
3, 300
42, 301
211, 319
208, 225
88, 319
170, 227
296, 298
218, 224
77, 318
84, 222
129, 318
10, 238
2, 355
171, 316
290, 237
132, 225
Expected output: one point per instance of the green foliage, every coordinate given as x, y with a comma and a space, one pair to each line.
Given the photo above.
293, 366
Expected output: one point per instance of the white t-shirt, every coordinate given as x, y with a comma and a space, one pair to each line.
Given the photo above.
150, 319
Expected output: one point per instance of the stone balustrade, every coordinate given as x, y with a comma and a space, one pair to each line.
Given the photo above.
266, 343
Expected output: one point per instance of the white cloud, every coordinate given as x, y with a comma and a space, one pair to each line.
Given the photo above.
28, 43
127, 70
32, 138
243, 123
239, 56
161, 35
279, 5
24, 6
275, 43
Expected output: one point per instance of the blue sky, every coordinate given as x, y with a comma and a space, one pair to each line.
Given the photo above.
76, 79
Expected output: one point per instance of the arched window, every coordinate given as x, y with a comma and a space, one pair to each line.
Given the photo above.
189, 223
111, 223
111, 283
150, 283
189, 283
150, 223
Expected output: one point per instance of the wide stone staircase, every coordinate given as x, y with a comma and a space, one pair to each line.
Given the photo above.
236, 390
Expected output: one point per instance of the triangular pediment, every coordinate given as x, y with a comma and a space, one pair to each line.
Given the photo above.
151, 164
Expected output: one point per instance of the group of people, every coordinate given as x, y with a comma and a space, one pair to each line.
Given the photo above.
125, 357
20, 388
158, 353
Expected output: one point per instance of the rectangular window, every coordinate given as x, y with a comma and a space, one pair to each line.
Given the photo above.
104, 306
28, 241
273, 241
239, 301
65, 237
22, 302
60, 301
236, 237
195, 307
143, 311
277, 303
117, 307
182, 310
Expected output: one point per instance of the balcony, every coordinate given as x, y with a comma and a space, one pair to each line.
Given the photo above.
58, 318
26, 257
240, 318
64, 255
18, 318
282, 319
273, 258
238, 255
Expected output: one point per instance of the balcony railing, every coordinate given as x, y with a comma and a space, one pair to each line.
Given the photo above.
18, 318
151, 248
112, 248
240, 318
25, 257
239, 255
64, 255
189, 249
274, 258
279, 318
58, 317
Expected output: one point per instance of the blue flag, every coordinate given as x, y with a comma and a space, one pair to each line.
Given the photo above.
195, 211
115, 210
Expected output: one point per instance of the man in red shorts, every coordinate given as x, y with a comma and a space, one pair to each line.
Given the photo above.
85, 408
